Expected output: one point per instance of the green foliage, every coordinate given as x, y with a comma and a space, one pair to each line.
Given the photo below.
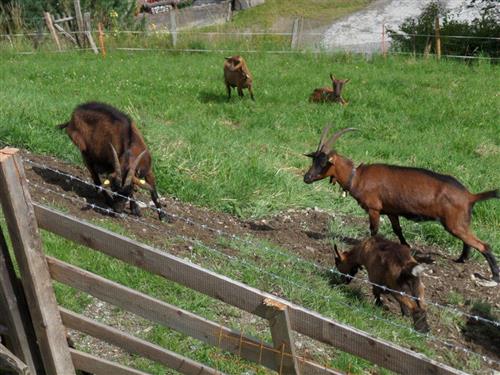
420, 31
110, 12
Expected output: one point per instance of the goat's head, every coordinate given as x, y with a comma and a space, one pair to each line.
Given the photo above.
345, 265
122, 185
323, 163
338, 85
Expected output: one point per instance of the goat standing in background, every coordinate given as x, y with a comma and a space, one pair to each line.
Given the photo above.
110, 143
237, 74
391, 265
326, 94
414, 193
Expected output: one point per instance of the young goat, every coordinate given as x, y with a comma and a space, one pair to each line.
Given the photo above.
391, 265
110, 143
326, 94
414, 193
237, 74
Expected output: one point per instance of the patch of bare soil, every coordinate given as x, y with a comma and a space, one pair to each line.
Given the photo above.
303, 232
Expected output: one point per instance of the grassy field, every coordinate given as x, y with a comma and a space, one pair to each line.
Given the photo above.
245, 157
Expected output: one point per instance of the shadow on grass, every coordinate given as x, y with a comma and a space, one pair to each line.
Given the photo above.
481, 333
81, 189
212, 97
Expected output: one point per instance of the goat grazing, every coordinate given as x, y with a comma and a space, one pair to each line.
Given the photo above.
414, 193
237, 74
326, 94
390, 265
110, 143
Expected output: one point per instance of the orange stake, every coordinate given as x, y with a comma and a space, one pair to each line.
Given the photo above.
101, 40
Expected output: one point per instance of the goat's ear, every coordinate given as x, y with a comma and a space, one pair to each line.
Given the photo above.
310, 155
227, 58
332, 77
347, 80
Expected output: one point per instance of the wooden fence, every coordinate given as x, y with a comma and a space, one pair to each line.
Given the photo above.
48, 320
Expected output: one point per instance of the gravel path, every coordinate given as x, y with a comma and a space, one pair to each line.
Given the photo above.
361, 31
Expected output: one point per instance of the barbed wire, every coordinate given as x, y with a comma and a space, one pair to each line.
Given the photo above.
253, 267
248, 33
288, 256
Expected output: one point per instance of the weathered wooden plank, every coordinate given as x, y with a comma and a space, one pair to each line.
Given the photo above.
133, 344
79, 23
64, 33
50, 26
98, 366
88, 32
171, 316
35, 277
304, 321
14, 312
63, 19
281, 331
9, 362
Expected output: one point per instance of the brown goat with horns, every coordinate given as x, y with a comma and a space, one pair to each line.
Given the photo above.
390, 265
110, 143
414, 193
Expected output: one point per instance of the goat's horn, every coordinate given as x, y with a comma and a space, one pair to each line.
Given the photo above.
336, 136
116, 163
131, 171
336, 250
332, 77
323, 136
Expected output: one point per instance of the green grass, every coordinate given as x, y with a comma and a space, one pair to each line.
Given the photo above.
245, 157
273, 11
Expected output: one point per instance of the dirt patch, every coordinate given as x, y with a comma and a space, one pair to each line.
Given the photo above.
303, 232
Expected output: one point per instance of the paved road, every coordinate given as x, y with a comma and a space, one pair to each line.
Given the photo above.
361, 31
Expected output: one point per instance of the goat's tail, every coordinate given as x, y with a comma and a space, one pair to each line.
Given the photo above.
63, 126
485, 195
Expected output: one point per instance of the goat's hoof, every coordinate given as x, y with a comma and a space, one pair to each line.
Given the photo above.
459, 260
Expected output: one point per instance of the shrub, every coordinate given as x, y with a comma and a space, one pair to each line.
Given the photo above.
417, 33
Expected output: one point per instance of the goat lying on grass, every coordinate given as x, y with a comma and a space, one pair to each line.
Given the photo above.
237, 74
414, 193
391, 265
110, 143
326, 94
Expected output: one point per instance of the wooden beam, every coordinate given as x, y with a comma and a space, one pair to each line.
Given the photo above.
14, 312
279, 322
64, 19
173, 317
50, 26
10, 363
79, 22
66, 34
88, 32
309, 323
35, 277
98, 366
133, 344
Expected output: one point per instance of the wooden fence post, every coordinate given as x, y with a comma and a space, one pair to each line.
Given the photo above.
101, 40
173, 26
20, 338
384, 52
26, 242
438, 39
88, 32
50, 26
295, 31
79, 22
281, 331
